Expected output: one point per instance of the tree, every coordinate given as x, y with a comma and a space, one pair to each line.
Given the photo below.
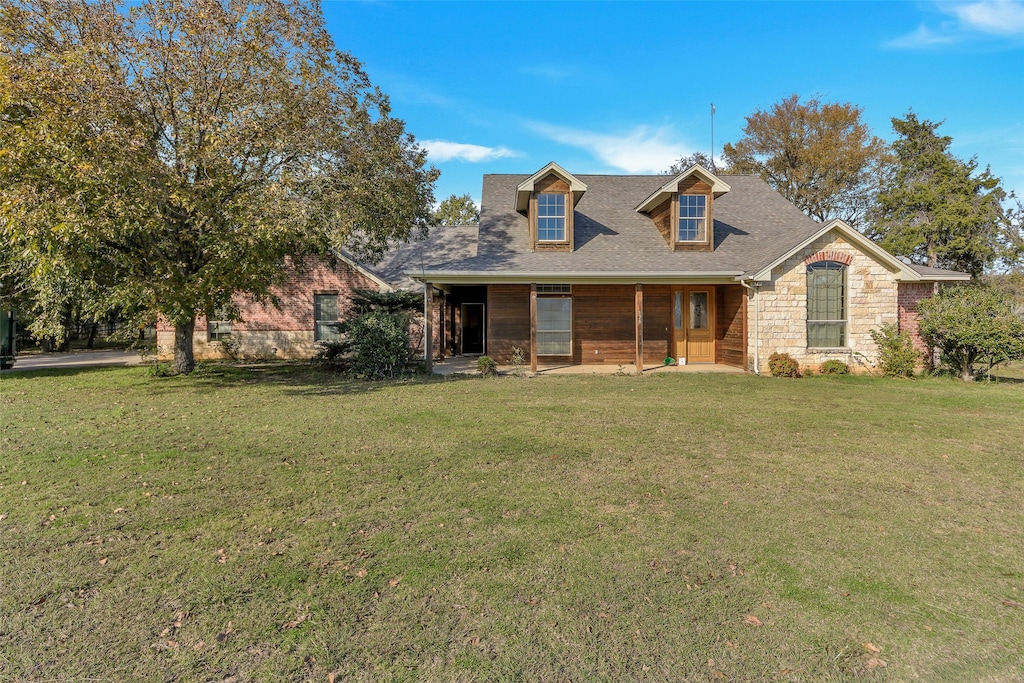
819, 155
685, 162
457, 210
933, 208
973, 324
175, 152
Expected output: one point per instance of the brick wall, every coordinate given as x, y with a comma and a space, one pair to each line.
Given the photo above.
910, 295
266, 331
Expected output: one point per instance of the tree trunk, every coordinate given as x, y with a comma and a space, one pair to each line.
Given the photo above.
184, 359
92, 335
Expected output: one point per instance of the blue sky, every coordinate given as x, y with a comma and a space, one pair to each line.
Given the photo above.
610, 87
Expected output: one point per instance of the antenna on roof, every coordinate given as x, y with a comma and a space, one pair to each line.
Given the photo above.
713, 169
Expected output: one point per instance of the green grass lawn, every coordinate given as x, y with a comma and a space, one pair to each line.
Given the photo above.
276, 524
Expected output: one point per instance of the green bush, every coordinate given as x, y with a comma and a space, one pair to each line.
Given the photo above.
487, 366
379, 342
973, 325
783, 365
331, 354
896, 353
834, 367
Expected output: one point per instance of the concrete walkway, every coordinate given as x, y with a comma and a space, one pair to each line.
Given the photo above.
74, 359
466, 365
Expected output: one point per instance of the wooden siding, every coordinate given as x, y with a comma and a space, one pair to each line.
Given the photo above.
657, 322
730, 326
662, 217
508, 320
604, 327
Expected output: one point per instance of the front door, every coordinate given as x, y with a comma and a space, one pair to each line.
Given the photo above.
693, 312
472, 328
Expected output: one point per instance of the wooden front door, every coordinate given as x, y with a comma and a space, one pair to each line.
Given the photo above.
472, 328
693, 314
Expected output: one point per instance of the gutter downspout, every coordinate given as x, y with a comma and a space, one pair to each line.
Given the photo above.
757, 317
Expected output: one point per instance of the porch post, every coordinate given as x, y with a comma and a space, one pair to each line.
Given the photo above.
639, 306
428, 327
533, 328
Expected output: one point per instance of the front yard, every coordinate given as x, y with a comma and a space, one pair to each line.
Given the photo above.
276, 524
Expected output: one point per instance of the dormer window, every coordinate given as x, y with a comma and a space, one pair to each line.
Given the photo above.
550, 217
548, 199
683, 209
692, 218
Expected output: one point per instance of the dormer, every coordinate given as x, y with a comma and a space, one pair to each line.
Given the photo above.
549, 198
683, 209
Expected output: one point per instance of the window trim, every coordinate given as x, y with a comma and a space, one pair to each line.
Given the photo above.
702, 219
843, 321
316, 321
564, 239
541, 332
215, 326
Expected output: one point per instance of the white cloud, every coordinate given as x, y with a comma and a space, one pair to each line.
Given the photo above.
641, 150
1002, 17
442, 150
922, 37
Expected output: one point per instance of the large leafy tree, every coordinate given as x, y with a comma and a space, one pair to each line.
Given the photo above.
935, 208
174, 152
819, 155
457, 210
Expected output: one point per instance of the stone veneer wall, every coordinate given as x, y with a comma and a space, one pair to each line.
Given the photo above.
871, 301
265, 331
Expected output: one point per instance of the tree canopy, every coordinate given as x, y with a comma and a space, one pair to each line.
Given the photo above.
173, 152
819, 155
934, 208
457, 210
685, 162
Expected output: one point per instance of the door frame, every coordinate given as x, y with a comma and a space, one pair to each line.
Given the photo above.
679, 339
483, 327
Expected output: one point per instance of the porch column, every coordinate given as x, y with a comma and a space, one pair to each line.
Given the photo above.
639, 307
533, 328
428, 327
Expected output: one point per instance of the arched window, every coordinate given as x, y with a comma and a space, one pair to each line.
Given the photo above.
826, 304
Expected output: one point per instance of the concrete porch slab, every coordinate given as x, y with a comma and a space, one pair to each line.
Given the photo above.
466, 365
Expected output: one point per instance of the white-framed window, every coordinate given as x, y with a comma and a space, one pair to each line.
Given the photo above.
219, 326
554, 326
325, 315
693, 212
826, 305
550, 217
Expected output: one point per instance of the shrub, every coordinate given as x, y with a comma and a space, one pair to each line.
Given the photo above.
971, 325
834, 367
518, 362
380, 344
487, 366
783, 365
331, 354
896, 353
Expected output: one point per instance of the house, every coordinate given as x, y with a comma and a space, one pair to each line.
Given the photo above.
612, 269
640, 270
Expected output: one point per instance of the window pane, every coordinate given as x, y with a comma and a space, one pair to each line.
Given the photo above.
554, 326
698, 310
325, 312
826, 304
551, 217
692, 217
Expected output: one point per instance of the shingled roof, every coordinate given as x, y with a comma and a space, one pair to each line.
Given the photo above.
753, 226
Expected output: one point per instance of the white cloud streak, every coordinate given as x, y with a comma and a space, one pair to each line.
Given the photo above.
641, 150
440, 151
1001, 18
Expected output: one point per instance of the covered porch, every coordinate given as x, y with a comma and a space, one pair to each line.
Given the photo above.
590, 324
